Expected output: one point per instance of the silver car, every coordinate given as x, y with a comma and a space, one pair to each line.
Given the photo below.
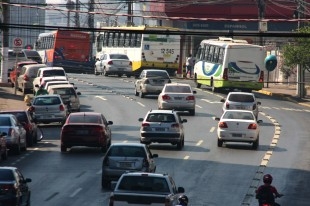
151, 81
16, 134
48, 108
113, 64
126, 157
177, 96
242, 101
162, 126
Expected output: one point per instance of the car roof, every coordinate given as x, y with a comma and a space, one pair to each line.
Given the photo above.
7, 115
155, 70
239, 110
145, 174
163, 111
60, 86
8, 167
47, 95
131, 144
84, 113
35, 65
15, 110
58, 81
245, 93
177, 84
53, 68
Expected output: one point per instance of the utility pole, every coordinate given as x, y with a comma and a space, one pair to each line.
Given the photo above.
77, 14
91, 25
5, 42
129, 12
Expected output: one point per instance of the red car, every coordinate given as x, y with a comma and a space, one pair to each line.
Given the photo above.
15, 71
3, 149
90, 129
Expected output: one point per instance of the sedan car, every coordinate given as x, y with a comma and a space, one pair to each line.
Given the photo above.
238, 126
3, 148
241, 100
24, 117
162, 126
16, 134
151, 81
14, 189
177, 96
113, 64
126, 157
48, 109
90, 129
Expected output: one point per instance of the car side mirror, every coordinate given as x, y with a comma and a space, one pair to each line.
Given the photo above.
140, 119
110, 122
2, 134
217, 119
28, 104
258, 103
259, 121
155, 155
181, 190
184, 120
194, 92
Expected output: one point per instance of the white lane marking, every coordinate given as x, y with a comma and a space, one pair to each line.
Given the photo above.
75, 192
141, 104
186, 157
102, 98
199, 142
206, 100
198, 106
212, 129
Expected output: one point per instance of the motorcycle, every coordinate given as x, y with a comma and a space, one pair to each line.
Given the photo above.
272, 204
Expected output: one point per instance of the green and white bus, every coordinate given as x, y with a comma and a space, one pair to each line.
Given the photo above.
227, 63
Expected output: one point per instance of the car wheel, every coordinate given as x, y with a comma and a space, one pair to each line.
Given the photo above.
198, 85
104, 182
35, 138
136, 92
192, 112
180, 144
104, 148
128, 75
63, 148
119, 75
95, 71
141, 94
17, 149
28, 201
4, 156
219, 143
29, 140
255, 144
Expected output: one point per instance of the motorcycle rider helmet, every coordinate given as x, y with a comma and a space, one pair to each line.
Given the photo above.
183, 200
267, 179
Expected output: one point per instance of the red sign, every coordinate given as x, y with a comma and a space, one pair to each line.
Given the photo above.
18, 42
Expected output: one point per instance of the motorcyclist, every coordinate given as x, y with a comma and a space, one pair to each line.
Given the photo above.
183, 200
41, 90
266, 193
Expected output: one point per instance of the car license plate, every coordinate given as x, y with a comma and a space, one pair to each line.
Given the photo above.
160, 129
178, 98
125, 164
236, 135
81, 132
120, 69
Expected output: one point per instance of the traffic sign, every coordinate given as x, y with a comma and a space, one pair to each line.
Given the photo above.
17, 44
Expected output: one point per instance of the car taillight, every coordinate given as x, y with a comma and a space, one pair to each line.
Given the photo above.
111, 202
110, 62
145, 163
98, 129
66, 129
8, 188
252, 126
227, 105
145, 124
190, 98
254, 106
225, 74
61, 107
26, 78
176, 125
222, 125
31, 109
166, 97
261, 76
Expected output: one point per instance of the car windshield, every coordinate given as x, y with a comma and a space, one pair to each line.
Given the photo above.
95, 119
118, 56
160, 117
238, 115
6, 175
157, 74
5, 121
20, 116
241, 98
144, 183
177, 89
46, 101
126, 151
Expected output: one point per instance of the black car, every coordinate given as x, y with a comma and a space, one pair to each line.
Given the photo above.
24, 117
14, 190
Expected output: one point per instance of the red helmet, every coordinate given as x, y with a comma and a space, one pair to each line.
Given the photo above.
267, 179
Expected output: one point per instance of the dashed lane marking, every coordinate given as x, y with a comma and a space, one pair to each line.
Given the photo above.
100, 97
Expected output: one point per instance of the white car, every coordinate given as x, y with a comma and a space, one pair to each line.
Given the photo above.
113, 64
241, 100
238, 126
177, 96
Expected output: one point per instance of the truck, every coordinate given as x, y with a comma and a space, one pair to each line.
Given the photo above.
140, 188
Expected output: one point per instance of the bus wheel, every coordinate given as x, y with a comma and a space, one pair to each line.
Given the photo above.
198, 85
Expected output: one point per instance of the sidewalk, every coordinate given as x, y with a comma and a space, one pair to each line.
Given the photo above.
10, 101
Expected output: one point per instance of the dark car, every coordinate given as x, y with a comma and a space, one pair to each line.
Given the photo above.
24, 117
14, 190
89, 129
3, 148
126, 157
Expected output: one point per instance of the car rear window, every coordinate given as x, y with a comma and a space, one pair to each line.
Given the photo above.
238, 115
95, 119
47, 101
64, 91
241, 98
5, 121
157, 74
160, 118
50, 73
118, 56
178, 89
6, 175
21, 116
124, 151
144, 183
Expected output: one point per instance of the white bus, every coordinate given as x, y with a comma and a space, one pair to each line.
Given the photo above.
146, 51
227, 63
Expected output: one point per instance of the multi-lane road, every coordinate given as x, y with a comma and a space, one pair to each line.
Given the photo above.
210, 175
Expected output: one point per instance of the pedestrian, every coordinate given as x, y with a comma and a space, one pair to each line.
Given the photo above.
190, 61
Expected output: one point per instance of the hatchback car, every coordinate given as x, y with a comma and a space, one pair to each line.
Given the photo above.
14, 189
126, 157
90, 129
241, 100
16, 134
162, 126
48, 109
177, 96
238, 126
52, 83
113, 64
15, 71
151, 81
3, 148
67, 93
24, 117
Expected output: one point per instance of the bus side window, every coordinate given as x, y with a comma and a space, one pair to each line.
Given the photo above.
221, 55
121, 40
211, 53
110, 41
106, 39
206, 54
138, 44
216, 54
127, 40
115, 39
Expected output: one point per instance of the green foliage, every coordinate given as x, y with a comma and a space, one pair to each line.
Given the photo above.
298, 52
